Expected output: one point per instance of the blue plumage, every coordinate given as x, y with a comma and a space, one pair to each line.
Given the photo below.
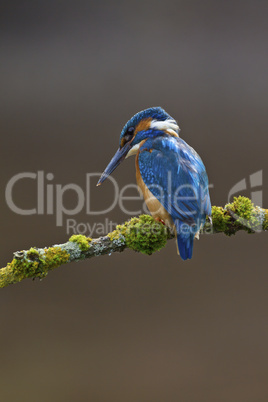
156, 113
170, 173
176, 176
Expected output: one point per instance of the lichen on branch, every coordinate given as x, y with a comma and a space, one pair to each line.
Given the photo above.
241, 214
142, 234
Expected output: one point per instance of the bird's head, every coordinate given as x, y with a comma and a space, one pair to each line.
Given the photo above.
148, 123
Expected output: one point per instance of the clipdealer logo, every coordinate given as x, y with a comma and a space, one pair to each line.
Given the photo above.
50, 197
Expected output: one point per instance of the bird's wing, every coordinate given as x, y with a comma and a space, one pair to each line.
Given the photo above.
176, 176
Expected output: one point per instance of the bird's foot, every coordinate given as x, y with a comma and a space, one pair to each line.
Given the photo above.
160, 220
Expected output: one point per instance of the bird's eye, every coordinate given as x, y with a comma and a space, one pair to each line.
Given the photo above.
130, 130
129, 133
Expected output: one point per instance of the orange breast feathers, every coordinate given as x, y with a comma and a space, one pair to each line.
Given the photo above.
156, 209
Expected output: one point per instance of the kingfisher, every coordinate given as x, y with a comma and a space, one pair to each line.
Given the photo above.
170, 174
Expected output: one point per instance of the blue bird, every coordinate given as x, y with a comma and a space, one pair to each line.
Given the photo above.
170, 174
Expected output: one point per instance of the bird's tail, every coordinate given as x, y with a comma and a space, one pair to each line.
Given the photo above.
185, 247
185, 243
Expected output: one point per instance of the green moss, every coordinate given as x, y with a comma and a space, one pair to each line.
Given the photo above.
8, 276
82, 241
54, 257
32, 253
33, 264
115, 235
245, 215
221, 219
24, 268
241, 214
242, 207
265, 220
142, 234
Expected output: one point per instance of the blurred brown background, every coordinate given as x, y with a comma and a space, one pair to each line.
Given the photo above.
130, 327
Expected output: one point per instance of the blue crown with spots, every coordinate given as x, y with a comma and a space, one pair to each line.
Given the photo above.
156, 113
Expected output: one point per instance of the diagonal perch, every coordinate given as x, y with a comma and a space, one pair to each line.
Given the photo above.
141, 234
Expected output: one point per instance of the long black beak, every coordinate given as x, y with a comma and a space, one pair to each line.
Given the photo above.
119, 156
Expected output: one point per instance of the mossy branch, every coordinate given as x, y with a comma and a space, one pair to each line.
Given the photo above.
141, 234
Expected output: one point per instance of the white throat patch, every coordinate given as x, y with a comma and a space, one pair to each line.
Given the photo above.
133, 150
168, 125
